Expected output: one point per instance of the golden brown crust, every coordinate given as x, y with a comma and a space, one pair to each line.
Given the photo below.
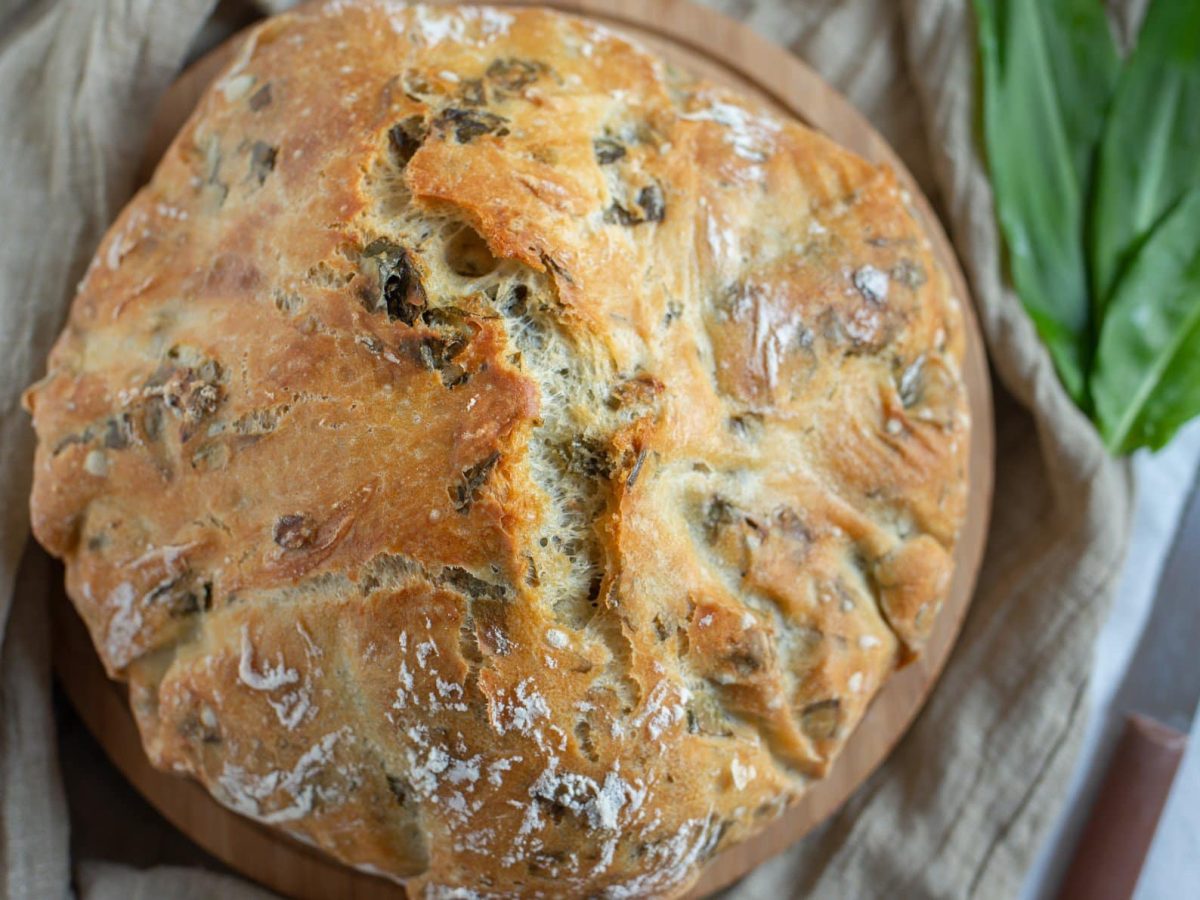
498, 459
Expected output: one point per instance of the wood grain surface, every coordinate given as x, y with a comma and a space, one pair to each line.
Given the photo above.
724, 51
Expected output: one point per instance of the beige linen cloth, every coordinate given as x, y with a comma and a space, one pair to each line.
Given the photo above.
962, 803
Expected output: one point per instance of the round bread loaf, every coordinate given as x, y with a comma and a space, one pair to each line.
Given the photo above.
498, 459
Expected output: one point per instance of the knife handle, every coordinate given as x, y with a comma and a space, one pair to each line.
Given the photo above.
1117, 836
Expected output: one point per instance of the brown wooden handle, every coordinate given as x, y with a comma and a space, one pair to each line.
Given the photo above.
1116, 839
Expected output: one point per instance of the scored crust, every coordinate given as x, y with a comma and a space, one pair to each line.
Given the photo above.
498, 458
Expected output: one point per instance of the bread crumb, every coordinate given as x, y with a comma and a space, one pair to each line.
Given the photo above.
96, 463
872, 284
742, 774
235, 88
207, 717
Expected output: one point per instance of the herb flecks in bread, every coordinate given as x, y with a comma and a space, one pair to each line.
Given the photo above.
499, 459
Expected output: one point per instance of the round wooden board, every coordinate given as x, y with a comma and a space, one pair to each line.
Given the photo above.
724, 51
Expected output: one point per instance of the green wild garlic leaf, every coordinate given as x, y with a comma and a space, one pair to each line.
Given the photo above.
1146, 382
1150, 154
1049, 69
